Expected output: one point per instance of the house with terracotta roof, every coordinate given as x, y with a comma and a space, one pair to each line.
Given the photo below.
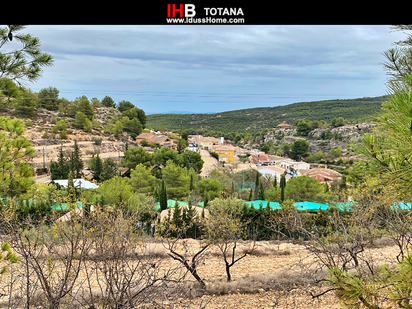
289, 163
261, 158
284, 125
204, 142
321, 174
144, 137
226, 153
163, 141
274, 171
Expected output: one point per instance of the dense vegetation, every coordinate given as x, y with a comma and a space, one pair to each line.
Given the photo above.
257, 119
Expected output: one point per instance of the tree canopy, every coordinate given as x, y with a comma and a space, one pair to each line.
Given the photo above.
25, 63
15, 151
305, 188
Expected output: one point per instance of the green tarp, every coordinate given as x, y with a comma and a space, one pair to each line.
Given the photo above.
63, 206
304, 206
171, 203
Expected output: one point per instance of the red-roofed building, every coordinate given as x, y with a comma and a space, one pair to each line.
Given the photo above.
284, 125
321, 174
261, 158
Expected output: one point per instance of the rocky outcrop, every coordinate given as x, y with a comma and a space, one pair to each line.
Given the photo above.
104, 114
321, 139
346, 132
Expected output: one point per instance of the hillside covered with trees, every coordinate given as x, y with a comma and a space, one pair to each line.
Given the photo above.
257, 119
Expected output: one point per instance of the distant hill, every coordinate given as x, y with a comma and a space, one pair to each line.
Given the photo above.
257, 119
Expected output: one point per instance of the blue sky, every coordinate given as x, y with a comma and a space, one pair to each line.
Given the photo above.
215, 68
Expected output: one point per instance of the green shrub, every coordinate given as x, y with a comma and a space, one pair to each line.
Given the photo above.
97, 140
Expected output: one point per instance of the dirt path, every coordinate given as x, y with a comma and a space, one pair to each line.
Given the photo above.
209, 164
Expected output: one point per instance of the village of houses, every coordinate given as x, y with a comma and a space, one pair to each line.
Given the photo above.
227, 154
267, 165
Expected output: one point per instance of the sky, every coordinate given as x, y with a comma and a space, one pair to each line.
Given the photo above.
215, 68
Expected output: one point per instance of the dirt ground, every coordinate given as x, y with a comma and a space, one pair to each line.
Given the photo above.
209, 164
283, 264
277, 275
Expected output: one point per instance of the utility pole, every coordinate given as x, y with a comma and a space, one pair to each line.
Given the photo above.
243, 181
45, 142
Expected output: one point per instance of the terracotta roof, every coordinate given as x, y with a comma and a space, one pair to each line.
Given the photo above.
284, 124
263, 158
223, 148
201, 138
276, 169
159, 140
324, 172
145, 135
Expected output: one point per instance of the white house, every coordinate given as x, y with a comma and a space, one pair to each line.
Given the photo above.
289, 163
273, 171
78, 183
301, 166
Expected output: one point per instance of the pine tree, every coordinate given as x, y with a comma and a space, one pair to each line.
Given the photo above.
109, 170
177, 215
76, 161
97, 168
326, 187
23, 63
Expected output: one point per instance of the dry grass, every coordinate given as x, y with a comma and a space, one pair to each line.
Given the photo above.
382, 243
252, 284
269, 250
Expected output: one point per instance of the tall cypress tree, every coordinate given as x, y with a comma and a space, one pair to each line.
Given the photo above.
72, 190
63, 165
205, 199
191, 187
282, 187
256, 195
261, 192
163, 196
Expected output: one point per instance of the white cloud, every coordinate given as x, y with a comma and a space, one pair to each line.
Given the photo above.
127, 61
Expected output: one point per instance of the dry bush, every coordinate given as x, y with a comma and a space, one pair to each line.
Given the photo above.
268, 250
279, 281
382, 242
100, 260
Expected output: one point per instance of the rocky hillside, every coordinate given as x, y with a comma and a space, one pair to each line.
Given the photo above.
47, 142
321, 139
